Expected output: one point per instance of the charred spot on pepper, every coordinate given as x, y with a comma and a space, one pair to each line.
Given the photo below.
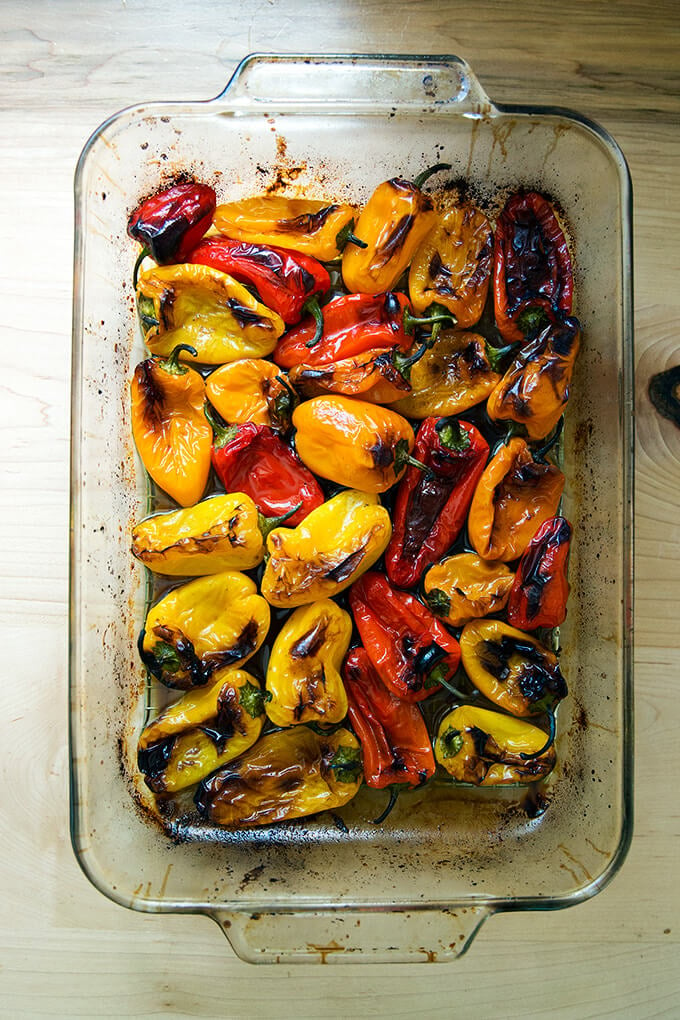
228, 720
310, 643
382, 452
346, 567
247, 316
152, 761
395, 240
307, 223
152, 393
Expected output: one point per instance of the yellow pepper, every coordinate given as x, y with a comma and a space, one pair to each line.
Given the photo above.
300, 224
201, 731
465, 587
251, 390
202, 626
203, 307
288, 774
486, 748
303, 674
327, 552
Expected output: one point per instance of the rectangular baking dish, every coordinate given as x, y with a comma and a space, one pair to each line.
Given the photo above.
418, 887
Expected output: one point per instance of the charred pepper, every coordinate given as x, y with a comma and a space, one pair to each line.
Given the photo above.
252, 390
538, 597
303, 225
172, 221
465, 587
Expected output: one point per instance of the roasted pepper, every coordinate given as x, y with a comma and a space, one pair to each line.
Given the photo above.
459, 371
169, 428
535, 388
487, 748
201, 731
300, 224
288, 774
538, 597
514, 496
353, 442
411, 650
253, 459
252, 390
532, 267
379, 376
392, 225
332, 547
303, 673
452, 267
395, 745
431, 507
465, 587
186, 304
172, 222
202, 626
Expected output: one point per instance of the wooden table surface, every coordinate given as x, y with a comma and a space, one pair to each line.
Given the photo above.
66, 950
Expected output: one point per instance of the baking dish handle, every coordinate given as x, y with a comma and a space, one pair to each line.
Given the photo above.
382, 83
357, 936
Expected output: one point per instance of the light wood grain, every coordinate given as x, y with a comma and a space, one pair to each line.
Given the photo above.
65, 951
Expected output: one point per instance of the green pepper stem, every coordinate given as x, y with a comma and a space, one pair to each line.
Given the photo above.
452, 435
548, 744
135, 272
394, 793
496, 354
424, 175
267, 524
449, 686
347, 236
172, 363
411, 321
402, 362
541, 452
312, 307
222, 434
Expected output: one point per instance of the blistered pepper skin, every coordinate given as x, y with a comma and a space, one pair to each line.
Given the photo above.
485, 748
202, 626
465, 587
539, 594
373, 376
288, 774
300, 224
202, 731
303, 673
251, 390
171, 222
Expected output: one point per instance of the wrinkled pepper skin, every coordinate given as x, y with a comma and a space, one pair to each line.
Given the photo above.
251, 390
431, 508
539, 594
407, 645
291, 773
395, 745
465, 587
303, 673
187, 304
172, 221
535, 389
169, 428
374, 376
510, 668
454, 375
485, 748
297, 224
202, 731
284, 280
514, 496
325, 554
353, 442
219, 533
393, 224
532, 267
202, 626
452, 267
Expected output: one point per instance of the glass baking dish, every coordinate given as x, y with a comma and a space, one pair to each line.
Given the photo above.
418, 887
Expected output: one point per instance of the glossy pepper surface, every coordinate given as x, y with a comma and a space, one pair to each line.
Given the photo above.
298, 224
203, 730
253, 390
486, 748
514, 496
303, 673
379, 376
538, 597
431, 507
510, 668
464, 587
325, 554
353, 442
171, 222
202, 626
169, 428
395, 745
285, 280
291, 773
452, 267
532, 267
197, 305
411, 650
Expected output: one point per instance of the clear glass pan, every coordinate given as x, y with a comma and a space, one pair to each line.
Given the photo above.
418, 887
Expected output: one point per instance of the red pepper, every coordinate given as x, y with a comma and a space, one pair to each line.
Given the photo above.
407, 645
532, 267
285, 280
252, 459
172, 222
431, 507
538, 597
395, 745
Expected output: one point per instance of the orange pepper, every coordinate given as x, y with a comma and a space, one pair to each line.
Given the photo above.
306, 225
251, 390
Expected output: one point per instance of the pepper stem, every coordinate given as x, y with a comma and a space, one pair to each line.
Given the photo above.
452, 435
424, 175
403, 362
347, 236
437, 318
548, 744
222, 434
394, 793
402, 457
172, 363
496, 355
267, 524
140, 258
541, 452
312, 307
